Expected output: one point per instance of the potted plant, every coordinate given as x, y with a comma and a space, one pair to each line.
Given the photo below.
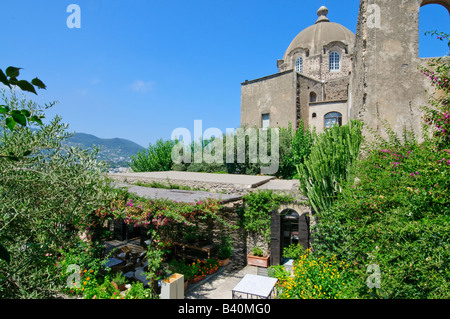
198, 271
212, 265
257, 258
225, 251
119, 281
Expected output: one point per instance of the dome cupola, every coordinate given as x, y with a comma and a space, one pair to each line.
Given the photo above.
321, 34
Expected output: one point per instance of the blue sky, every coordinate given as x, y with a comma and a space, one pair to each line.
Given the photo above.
140, 69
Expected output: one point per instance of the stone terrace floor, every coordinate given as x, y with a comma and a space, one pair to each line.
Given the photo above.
241, 182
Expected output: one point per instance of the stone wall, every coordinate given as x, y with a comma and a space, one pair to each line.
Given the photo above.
337, 89
386, 83
305, 86
274, 95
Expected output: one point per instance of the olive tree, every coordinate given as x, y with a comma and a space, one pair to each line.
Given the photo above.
46, 189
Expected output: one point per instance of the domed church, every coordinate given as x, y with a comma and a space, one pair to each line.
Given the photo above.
312, 83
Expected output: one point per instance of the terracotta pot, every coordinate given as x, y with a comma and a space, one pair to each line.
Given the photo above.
212, 271
196, 279
258, 261
224, 262
186, 285
118, 287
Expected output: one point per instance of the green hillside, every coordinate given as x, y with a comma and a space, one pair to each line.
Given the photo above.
116, 151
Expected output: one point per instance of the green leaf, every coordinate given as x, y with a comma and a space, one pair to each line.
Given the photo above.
4, 79
26, 86
13, 81
12, 72
4, 254
35, 119
11, 123
38, 83
4, 109
13, 157
25, 113
19, 118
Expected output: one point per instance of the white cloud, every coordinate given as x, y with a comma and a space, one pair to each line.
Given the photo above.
82, 92
142, 86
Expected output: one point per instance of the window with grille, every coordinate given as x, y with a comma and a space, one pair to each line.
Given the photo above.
299, 65
335, 61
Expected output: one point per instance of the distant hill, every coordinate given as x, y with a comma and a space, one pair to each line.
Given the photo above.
116, 151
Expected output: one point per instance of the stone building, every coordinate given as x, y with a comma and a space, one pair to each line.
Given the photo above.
387, 86
329, 75
312, 83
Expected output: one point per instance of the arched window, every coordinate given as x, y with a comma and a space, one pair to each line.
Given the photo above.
332, 119
431, 17
335, 61
312, 97
299, 64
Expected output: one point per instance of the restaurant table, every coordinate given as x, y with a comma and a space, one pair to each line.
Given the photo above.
255, 286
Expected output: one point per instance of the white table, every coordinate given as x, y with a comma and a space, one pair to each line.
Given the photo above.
255, 286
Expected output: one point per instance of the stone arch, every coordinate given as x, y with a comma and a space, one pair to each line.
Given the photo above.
279, 233
428, 46
444, 3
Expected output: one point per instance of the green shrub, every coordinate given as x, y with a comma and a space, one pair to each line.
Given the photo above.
155, 158
225, 248
396, 216
256, 212
279, 272
295, 147
317, 277
137, 291
46, 192
294, 251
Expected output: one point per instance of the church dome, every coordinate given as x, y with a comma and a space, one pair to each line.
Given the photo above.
319, 35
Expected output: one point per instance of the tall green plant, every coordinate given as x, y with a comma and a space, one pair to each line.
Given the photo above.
46, 190
295, 147
157, 157
330, 163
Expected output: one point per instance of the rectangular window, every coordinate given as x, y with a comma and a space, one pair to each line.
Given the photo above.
265, 121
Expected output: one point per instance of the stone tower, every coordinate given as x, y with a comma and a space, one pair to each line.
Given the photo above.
386, 83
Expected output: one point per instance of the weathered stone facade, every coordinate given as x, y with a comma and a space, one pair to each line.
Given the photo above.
378, 80
306, 77
386, 83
